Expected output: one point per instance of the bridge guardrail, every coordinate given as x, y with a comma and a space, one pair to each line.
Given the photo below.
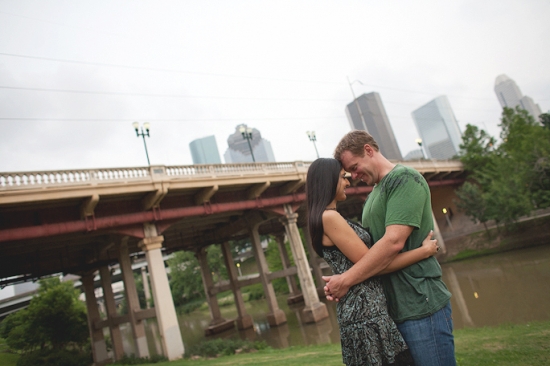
47, 179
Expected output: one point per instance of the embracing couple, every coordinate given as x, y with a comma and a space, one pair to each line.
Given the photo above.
393, 307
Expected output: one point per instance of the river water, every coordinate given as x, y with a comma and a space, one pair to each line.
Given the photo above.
510, 287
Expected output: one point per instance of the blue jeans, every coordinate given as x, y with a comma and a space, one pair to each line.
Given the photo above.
431, 339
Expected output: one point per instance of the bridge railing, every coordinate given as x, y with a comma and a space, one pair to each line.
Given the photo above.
44, 179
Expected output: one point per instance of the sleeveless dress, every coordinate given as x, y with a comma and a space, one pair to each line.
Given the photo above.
368, 335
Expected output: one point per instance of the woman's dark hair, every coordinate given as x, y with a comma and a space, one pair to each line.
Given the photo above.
321, 184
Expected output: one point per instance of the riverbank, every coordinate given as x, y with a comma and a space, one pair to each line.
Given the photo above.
505, 345
526, 233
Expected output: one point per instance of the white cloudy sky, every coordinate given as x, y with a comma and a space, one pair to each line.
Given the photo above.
74, 75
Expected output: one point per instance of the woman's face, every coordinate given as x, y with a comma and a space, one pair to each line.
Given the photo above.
343, 183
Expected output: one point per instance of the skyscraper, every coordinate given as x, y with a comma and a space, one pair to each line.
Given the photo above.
367, 113
205, 151
510, 96
438, 129
239, 151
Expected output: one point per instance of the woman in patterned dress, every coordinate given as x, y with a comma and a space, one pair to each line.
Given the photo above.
368, 334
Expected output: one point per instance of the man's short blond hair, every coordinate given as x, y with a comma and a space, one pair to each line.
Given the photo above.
354, 142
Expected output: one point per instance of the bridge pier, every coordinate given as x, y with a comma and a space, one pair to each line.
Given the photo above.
295, 293
172, 344
244, 320
314, 309
138, 329
275, 316
218, 323
438, 236
314, 260
99, 348
110, 307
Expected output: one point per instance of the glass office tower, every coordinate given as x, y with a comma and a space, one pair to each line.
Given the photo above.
438, 129
510, 96
239, 151
205, 151
367, 113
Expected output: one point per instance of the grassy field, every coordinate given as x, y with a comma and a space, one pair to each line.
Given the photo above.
505, 345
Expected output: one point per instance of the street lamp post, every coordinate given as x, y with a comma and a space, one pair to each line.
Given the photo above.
247, 135
141, 133
313, 138
419, 142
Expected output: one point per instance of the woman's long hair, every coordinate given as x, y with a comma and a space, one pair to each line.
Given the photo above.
322, 181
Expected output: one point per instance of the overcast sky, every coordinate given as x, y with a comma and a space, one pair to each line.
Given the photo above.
74, 75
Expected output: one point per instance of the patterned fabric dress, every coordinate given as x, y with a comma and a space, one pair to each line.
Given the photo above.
368, 334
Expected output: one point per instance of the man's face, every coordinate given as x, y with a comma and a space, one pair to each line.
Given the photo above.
360, 167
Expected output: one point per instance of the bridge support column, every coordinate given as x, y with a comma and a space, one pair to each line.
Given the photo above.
295, 294
99, 348
276, 316
314, 262
110, 307
146, 290
138, 329
170, 335
438, 236
244, 321
314, 309
218, 323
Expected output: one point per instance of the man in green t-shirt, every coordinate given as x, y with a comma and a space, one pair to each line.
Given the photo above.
398, 215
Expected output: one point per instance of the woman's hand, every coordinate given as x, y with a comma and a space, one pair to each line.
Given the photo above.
429, 245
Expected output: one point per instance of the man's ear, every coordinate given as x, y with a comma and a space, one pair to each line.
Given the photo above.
369, 151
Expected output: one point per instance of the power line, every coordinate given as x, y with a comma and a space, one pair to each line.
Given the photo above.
159, 95
163, 120
143, 68
92, 92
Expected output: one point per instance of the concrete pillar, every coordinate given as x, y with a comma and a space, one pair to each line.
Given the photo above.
314, 309
275, 316
244, 321
110, 309
314, 262
438, 236
146, 290
167, 319
295, 294
99, 348
218, 323
138, 329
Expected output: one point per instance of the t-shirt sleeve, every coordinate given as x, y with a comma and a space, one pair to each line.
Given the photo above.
405, 202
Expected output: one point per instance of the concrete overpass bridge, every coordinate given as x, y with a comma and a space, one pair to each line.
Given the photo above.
83, 221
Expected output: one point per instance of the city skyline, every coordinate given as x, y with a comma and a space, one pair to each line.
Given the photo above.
74, 76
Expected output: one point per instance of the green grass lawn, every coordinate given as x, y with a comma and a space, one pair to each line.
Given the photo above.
505, 345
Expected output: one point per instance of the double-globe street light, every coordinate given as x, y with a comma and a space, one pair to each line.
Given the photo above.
313, 138
142, 132
247, 135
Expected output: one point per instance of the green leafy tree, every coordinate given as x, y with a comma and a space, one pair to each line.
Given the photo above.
185, 277
51, 327
509, 180
545, 120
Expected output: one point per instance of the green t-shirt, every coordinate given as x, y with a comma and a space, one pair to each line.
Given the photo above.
403, 197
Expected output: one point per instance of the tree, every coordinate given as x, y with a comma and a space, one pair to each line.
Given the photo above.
545, 120
51, 327
509, 180
185, 277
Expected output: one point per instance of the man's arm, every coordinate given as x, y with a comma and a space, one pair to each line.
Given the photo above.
374, 261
